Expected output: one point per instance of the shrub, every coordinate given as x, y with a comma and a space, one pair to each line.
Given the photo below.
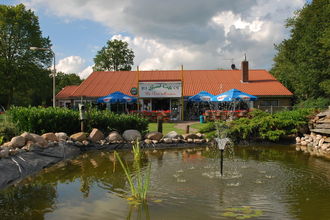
41, 120
7, 131
320, 103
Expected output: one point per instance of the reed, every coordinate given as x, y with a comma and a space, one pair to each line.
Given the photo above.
139, 184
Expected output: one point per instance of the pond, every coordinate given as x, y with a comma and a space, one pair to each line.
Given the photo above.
259, 182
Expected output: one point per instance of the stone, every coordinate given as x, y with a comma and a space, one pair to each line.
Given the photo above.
304, 143
62, 136
7, 145
172, 134
28, 137
50, 136
200, 135
197, 141
321, 142
189, 136
17, 141
298, 139
318, 137
147, 141
4, 153
80, 136
39, 140
167, 140
190, 140
327, 139
114, 136
155, 141
96, 135
132, 135
175, 140
325, 146
154, 135
79, 143
85, 142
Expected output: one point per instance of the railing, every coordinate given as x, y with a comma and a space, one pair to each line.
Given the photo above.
211, 115
274, 109
153, 115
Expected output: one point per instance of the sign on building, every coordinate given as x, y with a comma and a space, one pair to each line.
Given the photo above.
160, 89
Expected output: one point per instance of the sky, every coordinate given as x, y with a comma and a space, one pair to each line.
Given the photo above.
198, 34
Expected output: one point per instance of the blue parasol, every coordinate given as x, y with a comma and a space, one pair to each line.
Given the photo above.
233, 95
117, 97
203, 96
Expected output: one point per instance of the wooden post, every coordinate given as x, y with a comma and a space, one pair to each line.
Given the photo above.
187, 129
82, 127
160, 124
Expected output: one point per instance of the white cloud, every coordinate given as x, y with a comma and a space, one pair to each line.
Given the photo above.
85, 72
199, 34
74, 64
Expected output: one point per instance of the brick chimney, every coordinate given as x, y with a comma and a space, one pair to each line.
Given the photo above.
245, 71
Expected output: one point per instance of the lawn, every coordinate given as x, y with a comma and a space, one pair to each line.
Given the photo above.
198, 126
167, 127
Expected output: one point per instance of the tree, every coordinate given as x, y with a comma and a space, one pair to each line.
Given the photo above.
63, 80
116, 56
302, 62
23, 73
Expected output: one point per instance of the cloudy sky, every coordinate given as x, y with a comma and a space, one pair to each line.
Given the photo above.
199, 34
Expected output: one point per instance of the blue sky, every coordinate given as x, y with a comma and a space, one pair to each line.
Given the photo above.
200, 34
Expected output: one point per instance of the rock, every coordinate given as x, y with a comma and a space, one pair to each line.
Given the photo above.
190, 136
69, 142
172, 134
4, 153
190, 140
50, 136
148, 141
80, 136
318, 137
17, 141
28, 137
200, 135
114, 136
197, 141
96, 135
39, 140
175, 140
321, 142
304, 143
155, 135
325, 146
7, 145
78, 143
298, 139
85, 142
103, 142
155, 141
29, 146
167, 140
327, 139
132, 135
61, 136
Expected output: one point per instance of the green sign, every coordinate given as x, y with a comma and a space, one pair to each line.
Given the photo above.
134, 91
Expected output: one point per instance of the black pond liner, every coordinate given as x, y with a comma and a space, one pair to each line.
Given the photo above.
17, 167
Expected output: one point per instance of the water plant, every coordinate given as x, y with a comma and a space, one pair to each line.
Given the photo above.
139, 183
244, 212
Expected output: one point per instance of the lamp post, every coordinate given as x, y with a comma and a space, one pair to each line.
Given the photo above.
54, 70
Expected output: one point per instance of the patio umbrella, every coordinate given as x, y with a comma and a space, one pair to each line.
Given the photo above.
117, 97
233, 95
203, 96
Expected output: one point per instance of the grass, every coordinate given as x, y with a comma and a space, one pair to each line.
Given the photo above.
167, 127
198, 126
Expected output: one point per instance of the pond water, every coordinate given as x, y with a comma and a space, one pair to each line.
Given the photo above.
271, 182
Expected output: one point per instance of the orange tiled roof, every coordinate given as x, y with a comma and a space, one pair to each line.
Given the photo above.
261, 82
66, 92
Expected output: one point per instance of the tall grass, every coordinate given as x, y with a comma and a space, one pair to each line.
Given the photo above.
139, 183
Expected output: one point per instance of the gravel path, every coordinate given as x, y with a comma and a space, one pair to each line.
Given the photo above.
183, 125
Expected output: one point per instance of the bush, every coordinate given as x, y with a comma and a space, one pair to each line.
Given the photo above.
261, 125
7, 131
320, 103
41, 120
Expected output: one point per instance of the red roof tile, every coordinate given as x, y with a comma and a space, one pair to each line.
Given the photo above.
66, 92
261, 82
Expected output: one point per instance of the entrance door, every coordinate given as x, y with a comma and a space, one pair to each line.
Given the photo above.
160, 104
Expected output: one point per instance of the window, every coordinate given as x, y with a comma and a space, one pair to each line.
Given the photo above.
269, 103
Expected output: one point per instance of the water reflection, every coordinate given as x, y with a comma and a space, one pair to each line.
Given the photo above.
281, 182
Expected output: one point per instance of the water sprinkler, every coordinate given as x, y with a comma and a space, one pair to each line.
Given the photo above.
221, 142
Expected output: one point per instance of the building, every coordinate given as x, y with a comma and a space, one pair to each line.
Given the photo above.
169, 90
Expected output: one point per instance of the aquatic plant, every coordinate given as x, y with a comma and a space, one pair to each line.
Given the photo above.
244, 212
140, 184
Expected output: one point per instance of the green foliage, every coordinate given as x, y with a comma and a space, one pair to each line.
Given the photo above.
261, 125
40, 120
63, 80
302, 63
320, 103
116, 56
24, 74
7, 131
140, 184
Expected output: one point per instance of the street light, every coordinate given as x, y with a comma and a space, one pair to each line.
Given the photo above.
54, 71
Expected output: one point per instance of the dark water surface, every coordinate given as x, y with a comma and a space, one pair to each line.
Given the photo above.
185, 184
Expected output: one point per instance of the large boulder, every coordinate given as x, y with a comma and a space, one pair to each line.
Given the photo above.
96, 135
61, 136
132, 135
80, 136
39, 140
190, 136
172, 134
114, 136
17, 141
154, 135
28, 137
50, 136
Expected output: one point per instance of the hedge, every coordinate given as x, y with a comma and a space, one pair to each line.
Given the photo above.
41, 120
